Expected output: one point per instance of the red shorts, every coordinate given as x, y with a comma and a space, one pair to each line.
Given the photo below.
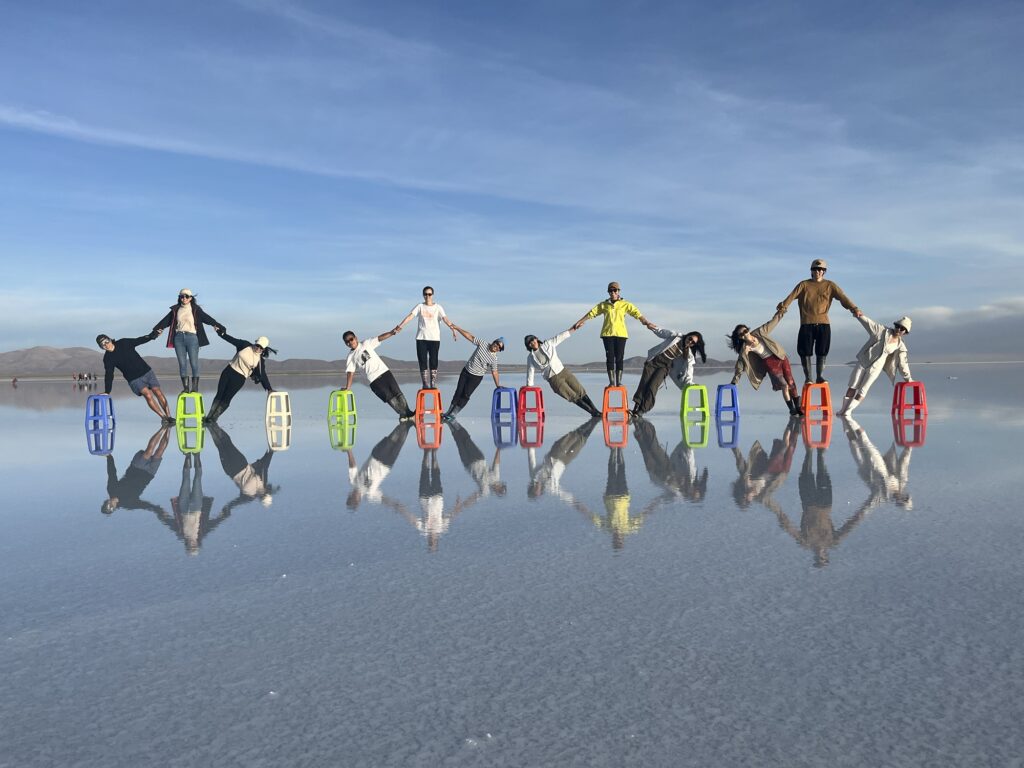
780, 373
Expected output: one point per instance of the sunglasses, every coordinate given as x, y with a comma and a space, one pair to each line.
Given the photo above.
899, 329
818, 269
428, 294
184, 296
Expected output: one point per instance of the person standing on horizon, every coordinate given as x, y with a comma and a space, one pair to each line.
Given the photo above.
121, 354
884, 350
613, 331
428, 335
187, 335
484, 359
760, 355
543, 359
249, 362
662, 361
814, 297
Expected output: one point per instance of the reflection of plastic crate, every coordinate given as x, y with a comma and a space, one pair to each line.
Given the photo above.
99, 411
729, 432
189, 416
616, 431
732, 407
504, 432
342, 435
341, 407
100, 441
531, 431
818, 432
701, 427
279, 438
190, 439
918, 399
429, 433
918, 431
823, 403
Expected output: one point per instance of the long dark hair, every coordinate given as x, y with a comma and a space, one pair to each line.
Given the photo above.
735, 338
699, 346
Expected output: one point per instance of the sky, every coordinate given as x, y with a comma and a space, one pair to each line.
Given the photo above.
307, 167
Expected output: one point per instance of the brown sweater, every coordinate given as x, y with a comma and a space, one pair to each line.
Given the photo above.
814, 298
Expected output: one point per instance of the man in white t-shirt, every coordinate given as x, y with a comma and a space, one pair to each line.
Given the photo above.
381, 380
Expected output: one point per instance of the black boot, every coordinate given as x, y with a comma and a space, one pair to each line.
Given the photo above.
451, 413
611, 378
184, 384
806, 363
588, 405
618, 378
794, 407
195, 383
214, 413
820, 365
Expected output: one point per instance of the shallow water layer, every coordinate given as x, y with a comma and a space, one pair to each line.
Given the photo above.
772, 603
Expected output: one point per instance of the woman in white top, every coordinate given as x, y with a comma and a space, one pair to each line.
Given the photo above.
884, 350
428, 335
248, 362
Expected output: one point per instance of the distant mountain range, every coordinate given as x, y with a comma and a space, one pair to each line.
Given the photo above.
56, 361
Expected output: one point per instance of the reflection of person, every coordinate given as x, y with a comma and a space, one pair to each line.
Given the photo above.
760, 355
121, 354
546, 477
486, 476
428, 334
382, 381
613, 330
676, 473
673, 356
887, 477
187, 335
816, 532
483, 360
543, 359
126, 492
433, 521
617, 518
366, 481
249, 362
191, 519
251, 478
883, 351
761, 474
814, 297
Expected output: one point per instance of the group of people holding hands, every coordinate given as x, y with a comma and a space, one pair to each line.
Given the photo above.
759, 356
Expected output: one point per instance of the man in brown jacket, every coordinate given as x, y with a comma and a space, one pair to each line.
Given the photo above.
814, 297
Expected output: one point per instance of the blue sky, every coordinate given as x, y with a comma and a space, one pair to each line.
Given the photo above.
306, 167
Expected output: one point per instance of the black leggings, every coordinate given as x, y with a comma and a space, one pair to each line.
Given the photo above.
230, 382
468, 383
426, 354
614, 352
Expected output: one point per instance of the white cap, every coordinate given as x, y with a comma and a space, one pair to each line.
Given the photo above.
185, 292
905, 322
263, 341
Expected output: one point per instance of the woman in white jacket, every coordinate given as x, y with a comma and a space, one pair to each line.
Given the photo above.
674, 356
883, 351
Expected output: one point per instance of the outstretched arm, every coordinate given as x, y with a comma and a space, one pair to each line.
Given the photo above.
405, 320
450, 324
466, 334
388, 334
781, 307
348, 380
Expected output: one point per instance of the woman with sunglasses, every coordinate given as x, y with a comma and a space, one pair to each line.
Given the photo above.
613, 330
428, 335
759, 356
249, 362
186, 320
883, 351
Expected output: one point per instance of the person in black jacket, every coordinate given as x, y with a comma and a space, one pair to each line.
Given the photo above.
187, 335
121, 354
126, 492
249, 361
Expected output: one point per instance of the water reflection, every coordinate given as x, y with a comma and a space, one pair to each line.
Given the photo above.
760, 474
817, 532
250, 477
366, 481
191, 520
886, 477
618, 519
676, 473
486, 476
546, 477
126, 492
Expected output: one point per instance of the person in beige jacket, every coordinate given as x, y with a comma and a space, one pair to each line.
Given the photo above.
814, 297
883, 351
759, 356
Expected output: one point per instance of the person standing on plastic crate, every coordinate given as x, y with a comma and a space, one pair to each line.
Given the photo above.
483, 360
613, 330
187, 335
814, 297
428, 335
363, 356
249, 362
883, 351
121, 354
760, 355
